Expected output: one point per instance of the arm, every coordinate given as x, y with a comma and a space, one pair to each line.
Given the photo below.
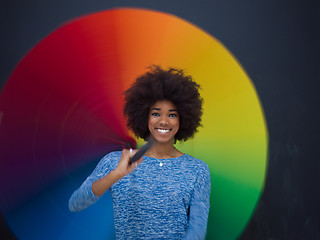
101, 179
199, 207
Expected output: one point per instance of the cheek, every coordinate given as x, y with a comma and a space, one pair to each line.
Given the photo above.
150, 123
176, 124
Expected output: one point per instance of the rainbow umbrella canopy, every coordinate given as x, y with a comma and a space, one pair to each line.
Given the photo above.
61, 111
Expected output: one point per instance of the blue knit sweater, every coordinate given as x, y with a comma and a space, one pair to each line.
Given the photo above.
154, 202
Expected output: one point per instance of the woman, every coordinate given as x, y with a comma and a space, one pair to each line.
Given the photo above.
166, 193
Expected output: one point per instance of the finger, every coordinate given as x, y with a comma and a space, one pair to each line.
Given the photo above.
128, 152
125, 156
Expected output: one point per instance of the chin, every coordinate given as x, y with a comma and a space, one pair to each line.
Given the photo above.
162, 140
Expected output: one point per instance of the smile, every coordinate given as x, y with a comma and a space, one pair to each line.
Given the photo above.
162, 130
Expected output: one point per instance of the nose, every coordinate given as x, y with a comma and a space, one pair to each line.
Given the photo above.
163, 120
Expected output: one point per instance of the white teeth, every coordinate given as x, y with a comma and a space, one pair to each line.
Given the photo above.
163, 130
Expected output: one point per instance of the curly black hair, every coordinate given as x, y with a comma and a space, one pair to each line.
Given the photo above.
158, 84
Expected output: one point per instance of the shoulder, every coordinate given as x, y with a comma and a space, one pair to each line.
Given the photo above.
110, 158
107, 163
196, 164
114, 154
194, 161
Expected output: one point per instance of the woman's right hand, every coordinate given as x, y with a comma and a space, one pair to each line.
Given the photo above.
124, 167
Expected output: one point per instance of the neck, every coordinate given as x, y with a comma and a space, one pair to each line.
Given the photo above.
161, 150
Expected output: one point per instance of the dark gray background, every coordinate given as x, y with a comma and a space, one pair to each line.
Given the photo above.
278, 44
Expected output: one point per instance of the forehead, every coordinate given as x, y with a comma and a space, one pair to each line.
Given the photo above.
164, 105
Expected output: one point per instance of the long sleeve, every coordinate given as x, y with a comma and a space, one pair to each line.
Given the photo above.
199, 207
84, 197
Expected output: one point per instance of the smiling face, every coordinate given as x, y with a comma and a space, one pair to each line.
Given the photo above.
163, 121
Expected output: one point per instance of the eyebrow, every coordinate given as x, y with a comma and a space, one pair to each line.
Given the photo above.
158, 109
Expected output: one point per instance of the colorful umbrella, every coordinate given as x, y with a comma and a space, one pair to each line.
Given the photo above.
61, 111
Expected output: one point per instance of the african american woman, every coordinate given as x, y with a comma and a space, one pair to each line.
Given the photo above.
166, 193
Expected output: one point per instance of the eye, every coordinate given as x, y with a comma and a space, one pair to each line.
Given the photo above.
155, 114
173, 115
